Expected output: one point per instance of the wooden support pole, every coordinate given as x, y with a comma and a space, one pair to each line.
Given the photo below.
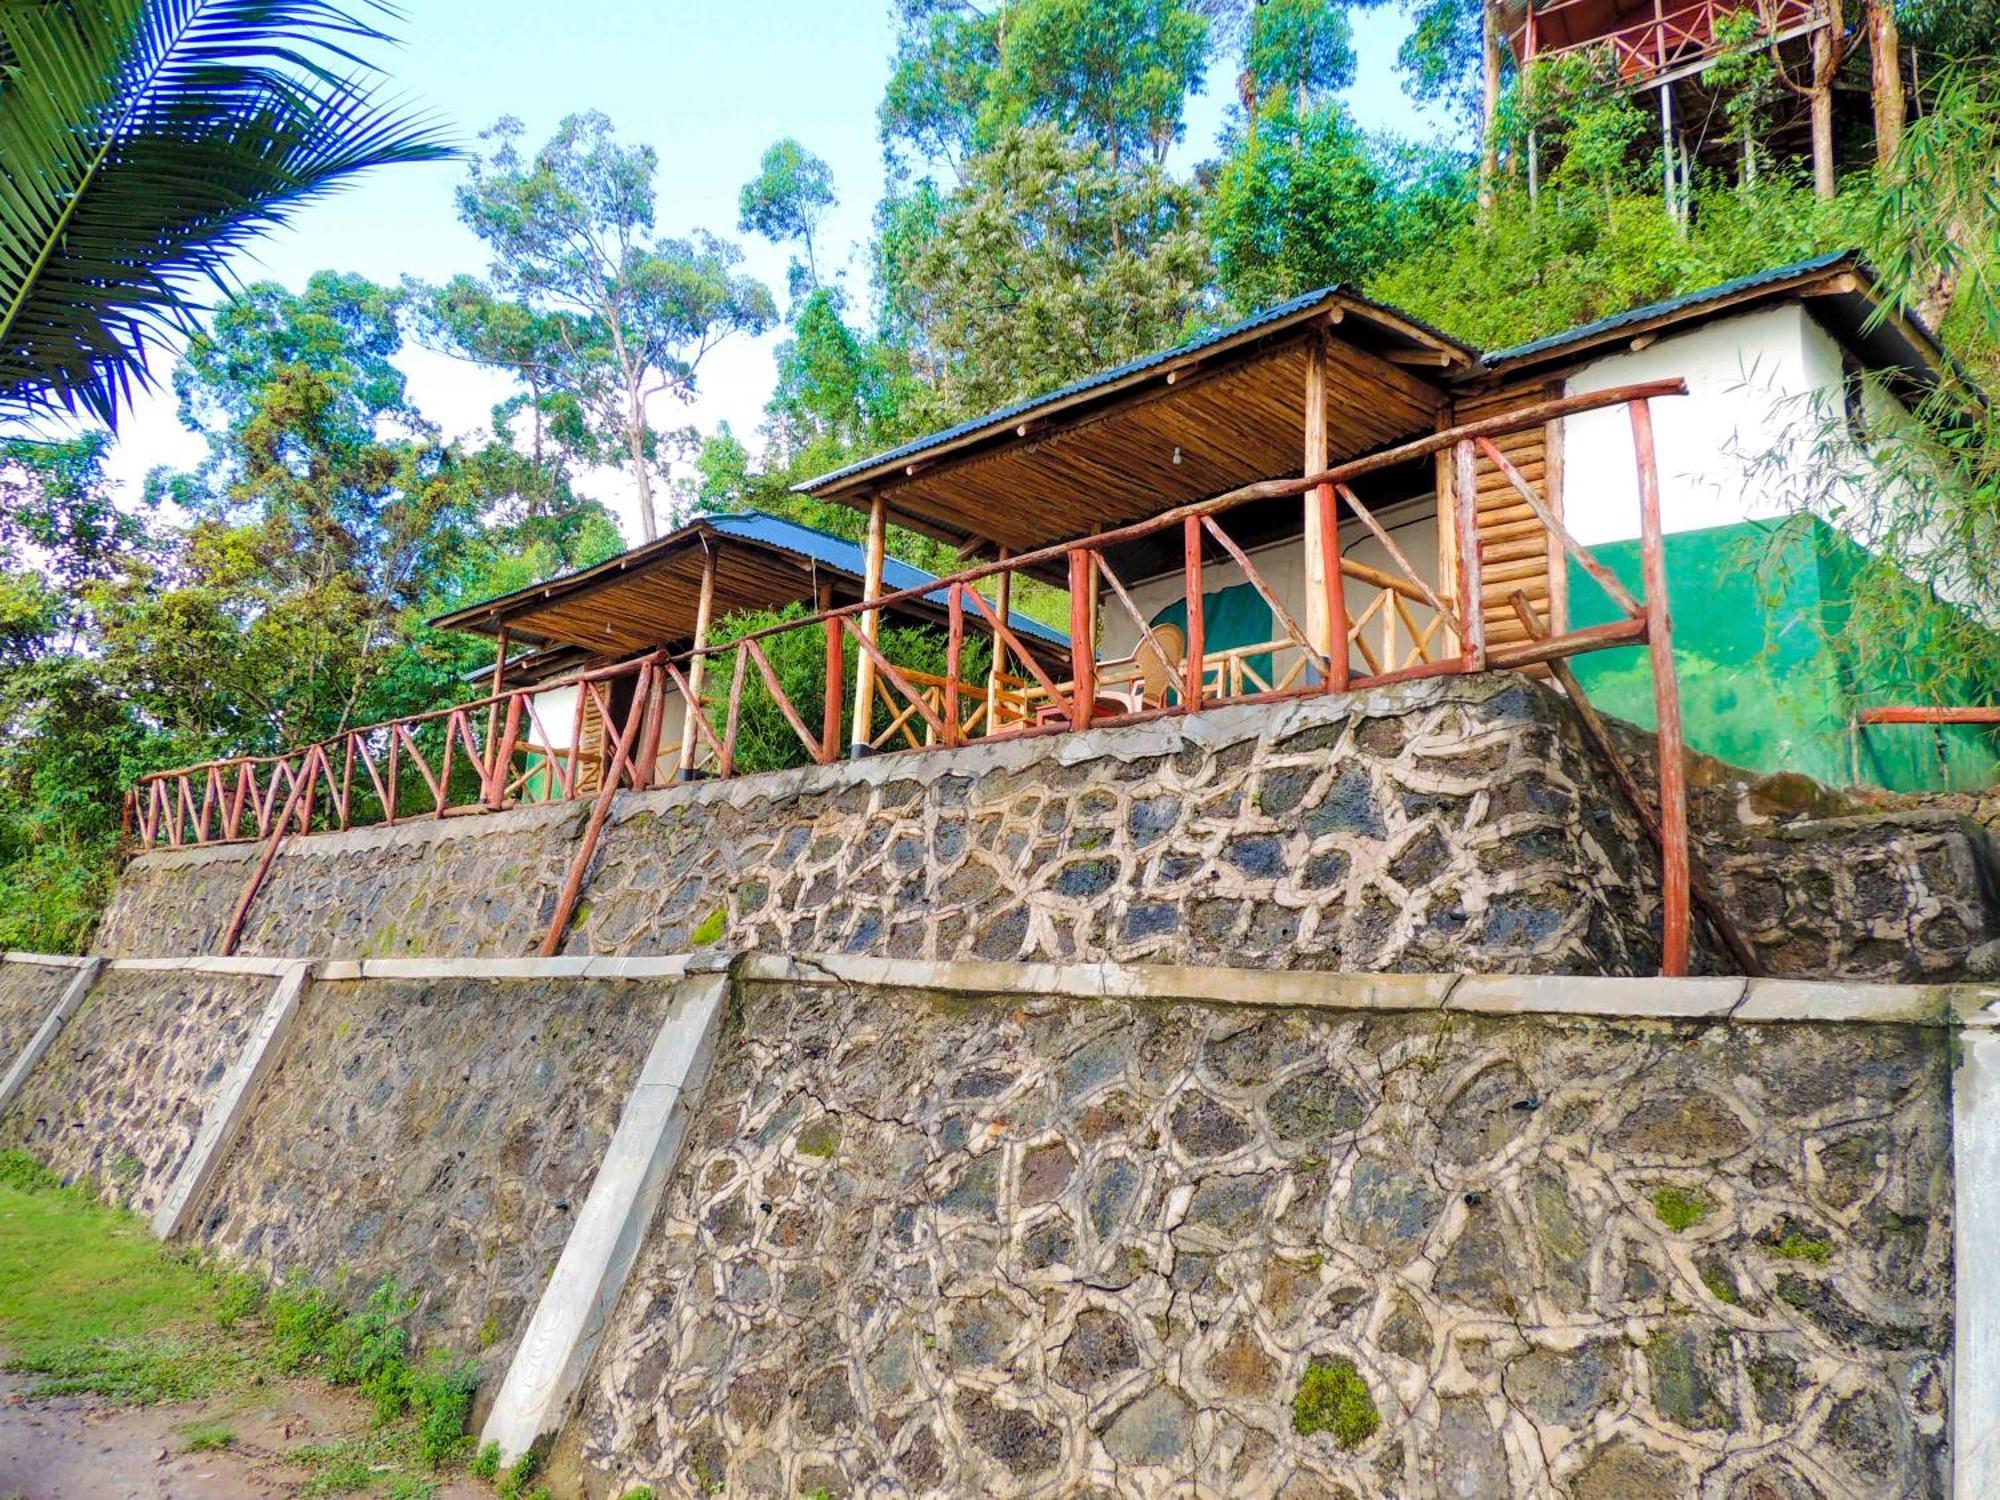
1471, 604
493, 767
593, 830
871, 624
1321, 580
1666, 704
1599, 734
832, 717
954, 650
1082, 638
1192, 669
1003, 591
698, 667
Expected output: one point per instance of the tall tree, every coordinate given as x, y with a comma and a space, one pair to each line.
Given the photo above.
1115, 74
1047, 265
1304, 47
142, 142
325, 510
572, 234
786, 202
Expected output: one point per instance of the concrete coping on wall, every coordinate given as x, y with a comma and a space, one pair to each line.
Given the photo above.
48, 960
1699, 998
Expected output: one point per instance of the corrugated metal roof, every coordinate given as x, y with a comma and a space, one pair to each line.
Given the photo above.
1672, 305
837, 552
1304, 302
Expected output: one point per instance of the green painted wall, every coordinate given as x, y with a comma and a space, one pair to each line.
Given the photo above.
1757, 615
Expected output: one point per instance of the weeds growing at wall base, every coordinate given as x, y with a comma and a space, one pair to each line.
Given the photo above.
90, 1303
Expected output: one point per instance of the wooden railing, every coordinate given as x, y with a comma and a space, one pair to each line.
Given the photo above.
1680, 36
492, 752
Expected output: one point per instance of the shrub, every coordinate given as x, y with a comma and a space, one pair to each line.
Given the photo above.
441, 1392
20, 1170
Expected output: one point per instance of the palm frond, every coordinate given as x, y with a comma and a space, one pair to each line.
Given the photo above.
142, 142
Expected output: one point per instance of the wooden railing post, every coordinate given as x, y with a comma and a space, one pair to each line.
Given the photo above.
727, 766
954, 649
1335, 646
1471, 587
1666, 704
832, 717
871, 589
503, 755
1192, 668
1003, 594
1082, 639
697, 667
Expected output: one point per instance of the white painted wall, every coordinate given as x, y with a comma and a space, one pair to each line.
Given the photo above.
555, 713
1756, 386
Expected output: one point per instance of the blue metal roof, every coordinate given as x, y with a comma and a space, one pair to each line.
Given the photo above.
1304, 302
838, 552
1681, 303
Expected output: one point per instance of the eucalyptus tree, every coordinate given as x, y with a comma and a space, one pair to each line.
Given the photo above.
786, 201
144, 141
572, 232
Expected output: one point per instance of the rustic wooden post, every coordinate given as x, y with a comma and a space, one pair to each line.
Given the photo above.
1471, 588
1192, 669
1082, 639
1444, 462
871, 588
493, 713
1326, 611
647, 764
727, 768
832, 719
1003, 602
704, 606
1666, 704
954, 648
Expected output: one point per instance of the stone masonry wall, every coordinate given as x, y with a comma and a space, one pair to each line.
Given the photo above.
117, 1099
27, 993
1442, 825
1020, 1246
441, 1131
464, 887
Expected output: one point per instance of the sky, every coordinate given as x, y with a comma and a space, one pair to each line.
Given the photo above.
709, 86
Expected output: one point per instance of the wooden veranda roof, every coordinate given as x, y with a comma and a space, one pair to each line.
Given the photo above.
1181, 425
647, 598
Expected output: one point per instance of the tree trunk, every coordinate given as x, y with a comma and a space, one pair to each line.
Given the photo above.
1884, 47
1489, 104
1821, 100
635, 447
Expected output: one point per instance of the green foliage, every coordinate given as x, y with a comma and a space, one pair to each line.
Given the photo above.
1679, 1208
23, 1172
710, 929
787, 199
1333, 1397
1586, 120
146, 142
1299, 48
1049, 264
1307, 201
486, 1465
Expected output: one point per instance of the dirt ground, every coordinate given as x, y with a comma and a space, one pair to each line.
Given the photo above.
82, 1448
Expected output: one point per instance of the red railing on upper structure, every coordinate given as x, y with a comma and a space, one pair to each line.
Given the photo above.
493, 752
1683, 35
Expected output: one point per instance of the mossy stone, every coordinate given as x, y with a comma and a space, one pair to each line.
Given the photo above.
1332, 1397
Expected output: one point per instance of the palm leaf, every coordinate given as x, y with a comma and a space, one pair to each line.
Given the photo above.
142, 142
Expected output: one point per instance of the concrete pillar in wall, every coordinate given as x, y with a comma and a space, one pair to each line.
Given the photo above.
562, 1336
1975, 1150
233, 1101
52, 1023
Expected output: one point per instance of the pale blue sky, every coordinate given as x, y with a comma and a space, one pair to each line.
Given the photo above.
709, 86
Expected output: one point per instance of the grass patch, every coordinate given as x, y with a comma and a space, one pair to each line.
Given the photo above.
208, 1437
90, 1302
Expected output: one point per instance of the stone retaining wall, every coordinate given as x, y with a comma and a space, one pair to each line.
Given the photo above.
1019, 1245
1442, 825
117, 1099
441, 1131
